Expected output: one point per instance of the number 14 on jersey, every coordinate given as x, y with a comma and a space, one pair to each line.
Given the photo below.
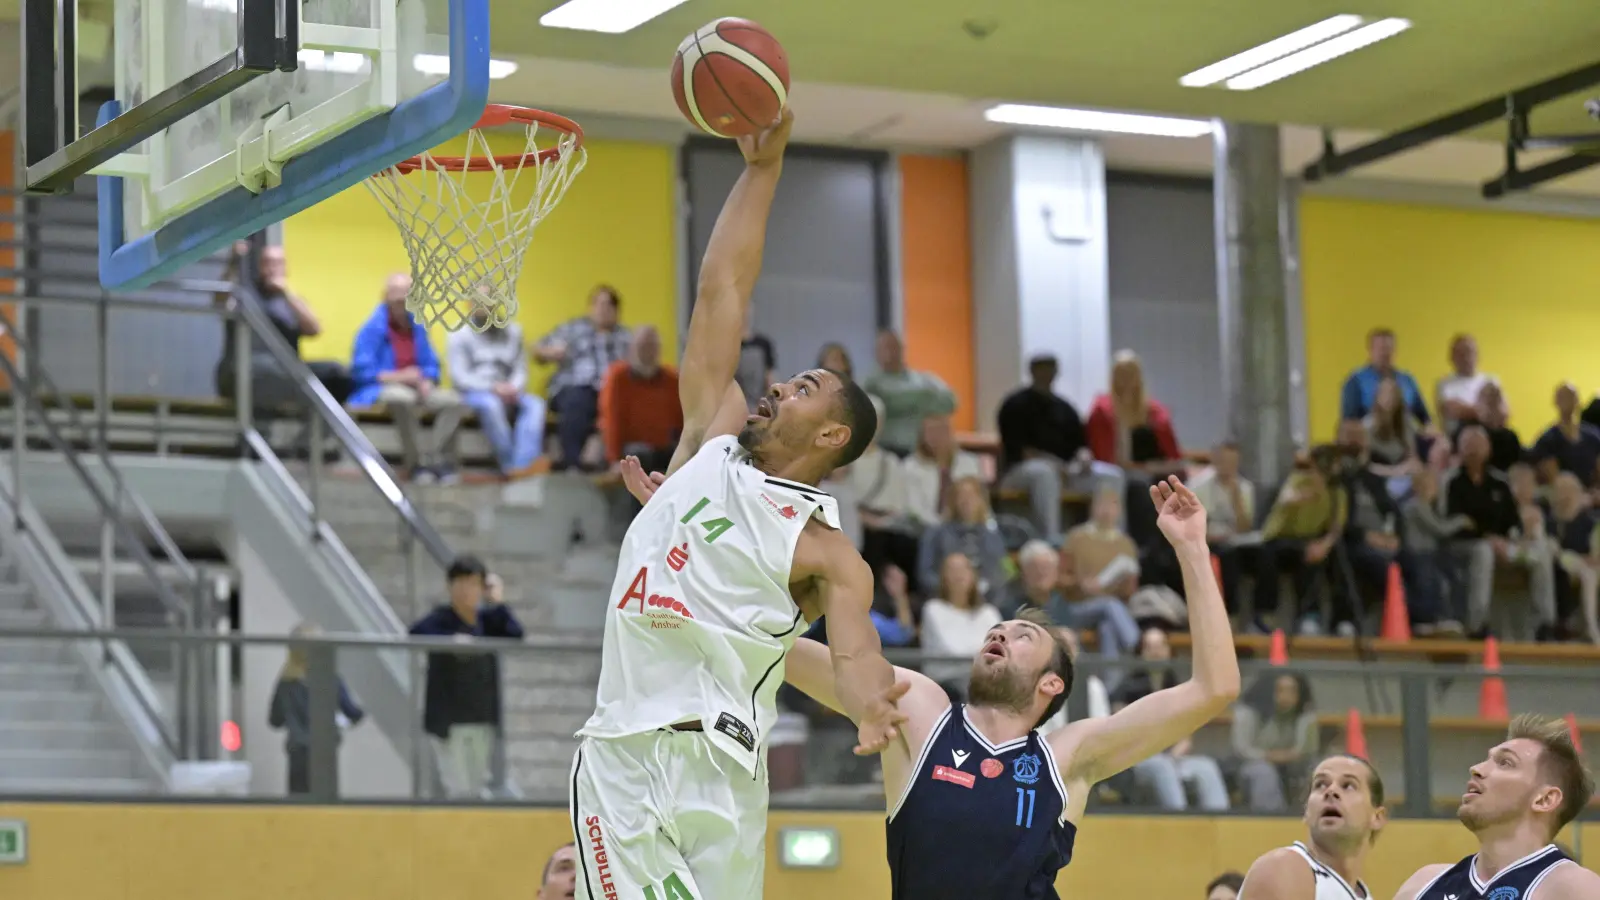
715, 527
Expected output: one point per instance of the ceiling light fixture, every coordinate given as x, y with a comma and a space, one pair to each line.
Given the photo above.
1259, 55
1096, 120
608, 16
439, 64
1316, 55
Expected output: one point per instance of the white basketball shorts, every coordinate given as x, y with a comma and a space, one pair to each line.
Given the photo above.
666, 816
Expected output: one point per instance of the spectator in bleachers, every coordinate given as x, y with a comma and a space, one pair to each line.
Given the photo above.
560, 878
967, 527
1133, 431
1275, 738
582, 349
758, 364
1372, 532
639, 410
291, 711
490, 370
1456, 395
1044, 448
835, 358
461, 702
1169, 775
393, 363
1037, 585
1573, 527
1223, 887
1361, 388
1484, 496
1569, 445
1391, 431
1230, 502
1505, 447
264, 281
909, 396
931, 471
878, 485
893, 613
1427, 533
1097, 571
955, 623
1303, 526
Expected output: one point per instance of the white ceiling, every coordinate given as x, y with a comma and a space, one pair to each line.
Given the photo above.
905, 120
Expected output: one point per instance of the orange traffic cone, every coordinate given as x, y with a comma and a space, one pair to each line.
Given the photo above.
1355, 735
1278, 655
1492, 704
1572, 729
1396, 618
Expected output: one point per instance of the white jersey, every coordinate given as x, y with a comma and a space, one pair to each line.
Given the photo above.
700, 615
1330, 886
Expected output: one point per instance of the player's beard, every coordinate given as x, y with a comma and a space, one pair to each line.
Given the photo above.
999, 687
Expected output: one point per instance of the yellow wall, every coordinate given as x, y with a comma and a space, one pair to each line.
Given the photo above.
614, 226
201, 852
1527, 286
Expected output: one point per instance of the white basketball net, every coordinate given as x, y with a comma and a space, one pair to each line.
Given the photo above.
466, 232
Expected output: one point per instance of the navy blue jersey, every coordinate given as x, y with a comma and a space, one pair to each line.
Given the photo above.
1516, 882
978, 820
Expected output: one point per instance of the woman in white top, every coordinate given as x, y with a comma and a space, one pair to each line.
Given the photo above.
955, 626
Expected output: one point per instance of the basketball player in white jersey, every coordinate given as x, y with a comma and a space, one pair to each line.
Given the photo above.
1532, 785
1343, 815
716, 578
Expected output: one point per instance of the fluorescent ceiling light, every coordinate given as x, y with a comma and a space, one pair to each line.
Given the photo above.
609, 16
1095, 120
1348, 42
439, 64
1271, 50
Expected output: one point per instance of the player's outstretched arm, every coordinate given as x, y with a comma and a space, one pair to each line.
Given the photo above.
1279, 875
1570, 881
861, 675
1095, 749
1421, 878
809, 667
728, 275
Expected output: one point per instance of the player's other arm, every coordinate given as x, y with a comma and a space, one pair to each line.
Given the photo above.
1279, 875
1570, 881
862, 677
1420, 880
712, 404
1095, 749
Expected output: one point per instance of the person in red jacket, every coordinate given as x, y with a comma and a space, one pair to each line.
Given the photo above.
1133, 432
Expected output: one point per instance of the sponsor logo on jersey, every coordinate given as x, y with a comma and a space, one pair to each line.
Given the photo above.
960, 756
737, 730
662, 610
954, 776
1025, 768
597, 853
992, 768
782, 510
678, 557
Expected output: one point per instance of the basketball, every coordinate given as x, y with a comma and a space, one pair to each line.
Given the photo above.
730, 78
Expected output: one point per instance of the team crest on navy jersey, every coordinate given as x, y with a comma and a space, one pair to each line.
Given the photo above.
1504, 893
1025, 769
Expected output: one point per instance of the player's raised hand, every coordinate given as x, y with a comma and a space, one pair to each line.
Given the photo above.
766, 148
640, 484
881, 722
1179, 513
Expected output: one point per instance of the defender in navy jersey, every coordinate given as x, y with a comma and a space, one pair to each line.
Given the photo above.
1343, 815
1531, 786
982, 805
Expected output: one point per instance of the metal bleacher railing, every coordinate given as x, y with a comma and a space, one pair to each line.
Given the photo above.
1423, 752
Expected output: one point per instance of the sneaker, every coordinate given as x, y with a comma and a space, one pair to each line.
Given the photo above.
1345, 629
1310, 626
1452, 628
446, 475
424, 475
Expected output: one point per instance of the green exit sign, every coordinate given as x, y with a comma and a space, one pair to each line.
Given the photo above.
13, 843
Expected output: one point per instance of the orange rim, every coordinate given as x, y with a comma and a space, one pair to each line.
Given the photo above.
494, 116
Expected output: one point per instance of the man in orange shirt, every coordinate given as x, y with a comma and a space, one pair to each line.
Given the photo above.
639, 410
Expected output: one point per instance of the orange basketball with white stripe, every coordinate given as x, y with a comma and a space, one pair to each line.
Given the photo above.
730, 78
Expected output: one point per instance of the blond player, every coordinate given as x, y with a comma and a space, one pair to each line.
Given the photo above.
716, 578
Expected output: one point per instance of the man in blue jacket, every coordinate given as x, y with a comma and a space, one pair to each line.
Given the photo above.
393, 364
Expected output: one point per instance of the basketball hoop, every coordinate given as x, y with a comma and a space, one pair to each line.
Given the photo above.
466, 238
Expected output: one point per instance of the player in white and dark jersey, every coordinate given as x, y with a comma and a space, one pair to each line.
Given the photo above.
982, 803
1343, 814
716, 578
1532, 785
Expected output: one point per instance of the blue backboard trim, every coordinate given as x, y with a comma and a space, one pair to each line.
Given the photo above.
414, 125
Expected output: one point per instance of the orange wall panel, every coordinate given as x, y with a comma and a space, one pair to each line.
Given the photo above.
936, 275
